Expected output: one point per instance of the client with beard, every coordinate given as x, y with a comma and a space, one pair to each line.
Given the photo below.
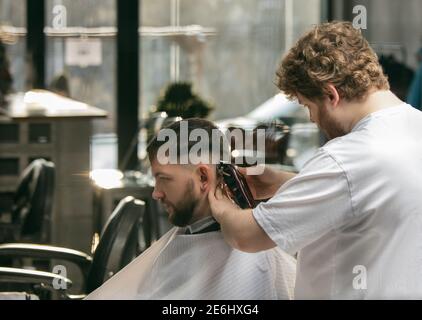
192, 260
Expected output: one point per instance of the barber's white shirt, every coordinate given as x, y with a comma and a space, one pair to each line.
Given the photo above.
202, 266
354, 212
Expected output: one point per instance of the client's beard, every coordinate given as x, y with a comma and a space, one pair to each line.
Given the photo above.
183, 211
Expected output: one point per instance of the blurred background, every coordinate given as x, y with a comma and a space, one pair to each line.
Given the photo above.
84, 84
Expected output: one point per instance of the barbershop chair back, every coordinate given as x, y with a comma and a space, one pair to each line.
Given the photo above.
33, 199
32, 204
118, 243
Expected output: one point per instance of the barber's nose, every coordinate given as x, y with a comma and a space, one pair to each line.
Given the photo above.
157, 195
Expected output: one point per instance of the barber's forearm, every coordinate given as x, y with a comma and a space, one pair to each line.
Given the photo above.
285, 176
242, 232
280, 178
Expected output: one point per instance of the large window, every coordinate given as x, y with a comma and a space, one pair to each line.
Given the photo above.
229, 49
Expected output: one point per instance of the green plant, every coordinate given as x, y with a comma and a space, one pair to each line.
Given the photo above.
178, 100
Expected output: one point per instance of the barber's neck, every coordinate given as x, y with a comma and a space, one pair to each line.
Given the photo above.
354, 111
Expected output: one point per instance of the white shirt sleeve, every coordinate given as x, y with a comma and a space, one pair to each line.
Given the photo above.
305, 208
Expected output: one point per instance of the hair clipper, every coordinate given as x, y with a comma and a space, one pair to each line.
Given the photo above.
237, 184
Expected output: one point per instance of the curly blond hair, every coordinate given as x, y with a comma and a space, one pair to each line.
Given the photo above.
331, 53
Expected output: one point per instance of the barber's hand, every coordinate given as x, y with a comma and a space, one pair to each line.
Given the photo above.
265, 185
220, 201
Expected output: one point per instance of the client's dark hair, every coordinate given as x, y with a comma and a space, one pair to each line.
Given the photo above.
186, 146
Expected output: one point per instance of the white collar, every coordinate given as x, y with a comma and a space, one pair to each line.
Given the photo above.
200, 224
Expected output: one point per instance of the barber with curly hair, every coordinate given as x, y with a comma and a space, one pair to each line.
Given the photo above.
354, 212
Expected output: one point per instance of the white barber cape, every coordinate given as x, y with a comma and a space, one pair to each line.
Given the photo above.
201, 266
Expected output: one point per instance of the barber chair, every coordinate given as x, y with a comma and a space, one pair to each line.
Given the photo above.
117, 246
22, 284
32, 205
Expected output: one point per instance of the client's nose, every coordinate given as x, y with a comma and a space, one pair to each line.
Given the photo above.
157, 195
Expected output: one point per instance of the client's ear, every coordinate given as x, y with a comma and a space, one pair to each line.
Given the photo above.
206, 176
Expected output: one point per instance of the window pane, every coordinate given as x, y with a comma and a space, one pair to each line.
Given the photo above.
84, 13
13, 24
155, 13
13, 13
154, 51
87, 61
239, 61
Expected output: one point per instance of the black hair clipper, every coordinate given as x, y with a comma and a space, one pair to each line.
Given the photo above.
237, 184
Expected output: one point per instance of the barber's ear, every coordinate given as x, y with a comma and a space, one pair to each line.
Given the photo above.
333, 96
